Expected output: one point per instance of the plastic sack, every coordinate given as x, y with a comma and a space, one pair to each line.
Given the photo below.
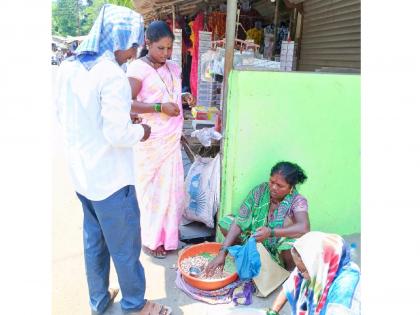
202, 189
205, 136
247, 259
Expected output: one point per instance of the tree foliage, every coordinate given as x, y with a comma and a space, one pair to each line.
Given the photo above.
69, 17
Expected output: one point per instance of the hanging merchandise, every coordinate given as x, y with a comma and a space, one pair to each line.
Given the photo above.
210, 65
197, 26
282, 35
255, 34
204, 47
177, 47
268, 41
217, 24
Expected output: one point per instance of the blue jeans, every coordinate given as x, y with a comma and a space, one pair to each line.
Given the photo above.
111, 228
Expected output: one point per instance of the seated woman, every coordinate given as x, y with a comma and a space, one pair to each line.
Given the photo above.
274, 212
325, 281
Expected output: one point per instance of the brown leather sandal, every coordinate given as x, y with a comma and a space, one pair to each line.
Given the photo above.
152, 308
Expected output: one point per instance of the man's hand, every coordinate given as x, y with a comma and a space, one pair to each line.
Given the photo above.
147, 131
170, 109
218, 261
262, 233
135, 119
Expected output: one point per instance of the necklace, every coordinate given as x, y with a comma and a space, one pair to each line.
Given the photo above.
171, 94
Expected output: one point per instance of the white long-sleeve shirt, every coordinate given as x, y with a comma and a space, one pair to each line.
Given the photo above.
94, 109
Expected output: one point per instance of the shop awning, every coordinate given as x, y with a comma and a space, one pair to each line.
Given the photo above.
155, 9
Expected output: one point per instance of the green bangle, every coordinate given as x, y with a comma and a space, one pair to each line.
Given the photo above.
272, 312
157, 107
272, 233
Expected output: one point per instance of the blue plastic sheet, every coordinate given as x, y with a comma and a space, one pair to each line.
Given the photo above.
247, 259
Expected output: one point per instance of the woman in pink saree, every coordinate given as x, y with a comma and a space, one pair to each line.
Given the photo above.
156, 90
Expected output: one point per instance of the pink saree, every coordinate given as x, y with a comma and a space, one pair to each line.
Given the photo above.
160, 173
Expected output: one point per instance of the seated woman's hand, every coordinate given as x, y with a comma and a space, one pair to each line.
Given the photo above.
262, 233
170, 109
218, 261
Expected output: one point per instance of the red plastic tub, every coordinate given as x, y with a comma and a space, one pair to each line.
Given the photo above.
207, 285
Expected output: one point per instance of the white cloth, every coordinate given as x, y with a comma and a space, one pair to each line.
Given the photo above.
94, 109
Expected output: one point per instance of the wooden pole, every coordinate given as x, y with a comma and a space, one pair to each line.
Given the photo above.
230, 45
173, 18
229, 53
276, 28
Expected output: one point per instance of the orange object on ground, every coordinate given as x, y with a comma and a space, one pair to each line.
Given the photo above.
207, 285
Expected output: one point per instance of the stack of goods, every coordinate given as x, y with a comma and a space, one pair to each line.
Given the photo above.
259, 64
288, 56
177, 47
209, 93
205, 113
204, 116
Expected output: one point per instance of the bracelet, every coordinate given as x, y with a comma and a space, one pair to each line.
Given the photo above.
157, 107
272, 312
272, 233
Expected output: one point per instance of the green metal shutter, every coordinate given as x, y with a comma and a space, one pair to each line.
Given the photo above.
330, 34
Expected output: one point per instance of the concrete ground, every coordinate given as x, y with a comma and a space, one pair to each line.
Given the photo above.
70, 295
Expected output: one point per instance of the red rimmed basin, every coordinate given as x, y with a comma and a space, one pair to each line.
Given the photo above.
204, 284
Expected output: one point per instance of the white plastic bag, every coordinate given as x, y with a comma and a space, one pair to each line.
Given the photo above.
205, 135
202, 189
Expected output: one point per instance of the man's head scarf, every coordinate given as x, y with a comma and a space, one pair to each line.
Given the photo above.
115, 28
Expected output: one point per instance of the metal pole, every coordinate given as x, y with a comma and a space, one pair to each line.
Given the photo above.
276, 28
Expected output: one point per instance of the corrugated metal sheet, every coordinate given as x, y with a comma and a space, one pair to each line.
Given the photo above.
331, 34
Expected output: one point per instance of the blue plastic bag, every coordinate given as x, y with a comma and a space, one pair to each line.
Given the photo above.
247, 259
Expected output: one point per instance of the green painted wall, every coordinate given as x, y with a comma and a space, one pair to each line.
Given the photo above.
312, 119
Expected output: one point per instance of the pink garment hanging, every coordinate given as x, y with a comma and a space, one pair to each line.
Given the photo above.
198, 25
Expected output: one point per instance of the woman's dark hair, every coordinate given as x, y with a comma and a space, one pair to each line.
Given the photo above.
158, 30
144, 51
292, 173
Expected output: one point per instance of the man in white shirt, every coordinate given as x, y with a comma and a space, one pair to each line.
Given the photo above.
93, 106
